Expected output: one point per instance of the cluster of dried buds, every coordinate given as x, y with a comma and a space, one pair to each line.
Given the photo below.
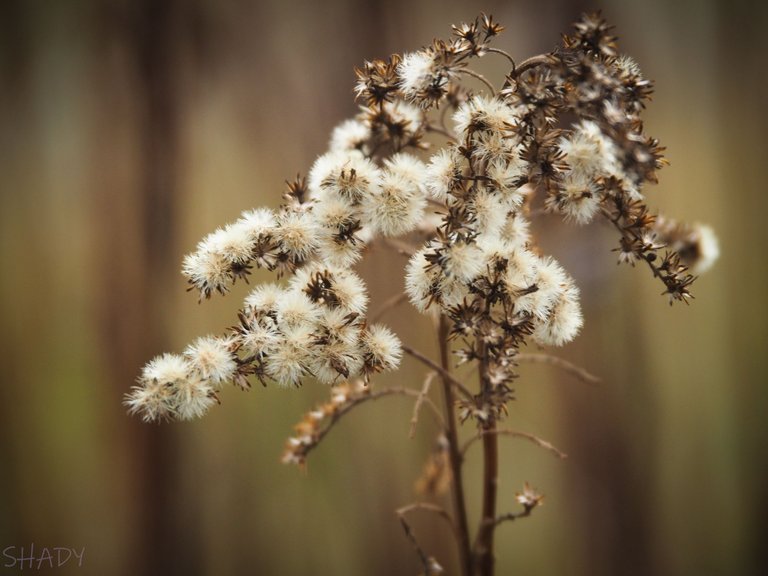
561, 134
318, 421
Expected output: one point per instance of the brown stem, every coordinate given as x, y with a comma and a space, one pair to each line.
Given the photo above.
428, 507
454, 454
442, 369
483, 551
354, 402
442, 131
561, 363
504, 53
419, 401
514, 434
512, 516
388, 305
399, 246
531, 62
480, 77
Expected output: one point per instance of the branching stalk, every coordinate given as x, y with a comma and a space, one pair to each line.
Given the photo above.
561, 363
480, 77
483, 551
454, 453
443, 370
515, 434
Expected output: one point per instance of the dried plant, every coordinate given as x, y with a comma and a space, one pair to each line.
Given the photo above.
561, 134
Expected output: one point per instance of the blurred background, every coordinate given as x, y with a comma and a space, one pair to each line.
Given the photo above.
131, 128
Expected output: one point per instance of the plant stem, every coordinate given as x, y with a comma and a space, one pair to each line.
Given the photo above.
483, 551
443, 369
454, 453
531, 62
480, 77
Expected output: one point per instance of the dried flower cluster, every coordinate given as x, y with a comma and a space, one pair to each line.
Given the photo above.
561, 134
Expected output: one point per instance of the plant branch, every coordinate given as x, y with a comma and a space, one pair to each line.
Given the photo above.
355, 401
419, 401
446, 375
441, 130
429, 564
454, 455
531, 62
426, 506
561, 363
504, 53
399, 246
389, 303
514, 434
483, 550
480, 77
511, 516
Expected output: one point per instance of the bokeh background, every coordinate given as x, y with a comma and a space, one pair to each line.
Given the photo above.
131, 128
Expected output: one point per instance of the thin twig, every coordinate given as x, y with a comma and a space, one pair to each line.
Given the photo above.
426, 561
428, 507
354, 402
515, 434
388, 304
536, 212
423, 558
417, 405
504, 53
441, 130
511, 516
561, 363
399, 246
443, 114
531, 62
442, 371
480, 77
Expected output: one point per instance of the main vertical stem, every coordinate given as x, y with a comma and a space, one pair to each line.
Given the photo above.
483, 551
454, 453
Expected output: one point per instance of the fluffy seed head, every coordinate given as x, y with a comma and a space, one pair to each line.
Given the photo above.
169, 387
207, 271
579, 200
295, 308
211, 358
420, 281
259, 339
482, 113
707, 248
263, 298
287, 364
490, 212
564, 321
550, 280
350, 291
462, 261
349, 135
259, 223
297, 233
344, 174
443, 173
516, 231
399, 205
589, 152
416, 72
193, 398
382, 348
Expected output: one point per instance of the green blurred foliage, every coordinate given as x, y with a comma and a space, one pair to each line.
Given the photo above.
128, 130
